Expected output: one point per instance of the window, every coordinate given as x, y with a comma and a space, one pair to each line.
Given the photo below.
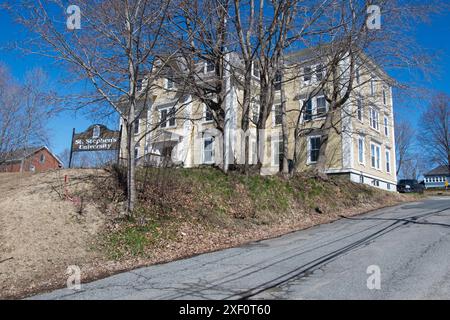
389, 186
139, 84
360, 110
278, 115
42, 158
96, 132
321, 105
210, 66
277, 82
384, 96
208, 115
313, 148
208, 150
372, 87
277, 152
136, 152
167, 117
255, 113
307, 74
307, 116
376, 183
170, 84
319, 72
388, 161
386, 127
137, 125
315, 107
361, 150
375, 156
374, 119
254, 151
255, 70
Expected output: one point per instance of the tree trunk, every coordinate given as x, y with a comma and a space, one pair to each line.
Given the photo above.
246, 117
131, 169
321, 165
284, 129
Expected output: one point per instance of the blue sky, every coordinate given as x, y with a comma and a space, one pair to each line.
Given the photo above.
435, 36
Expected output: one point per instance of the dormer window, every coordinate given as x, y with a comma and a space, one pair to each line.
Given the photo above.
139, 84
255, 70
208, 115
319, 72
170, 83
210, 66
307, 74
277, 82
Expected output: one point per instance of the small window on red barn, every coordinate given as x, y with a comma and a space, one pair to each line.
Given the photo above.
42, 158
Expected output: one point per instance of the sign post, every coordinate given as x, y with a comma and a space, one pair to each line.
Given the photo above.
71, 149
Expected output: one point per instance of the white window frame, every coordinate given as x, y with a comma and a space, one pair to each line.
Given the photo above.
278, 82
137, 128
310, 74
275, 152
213, 145
372, 87
362, 150
42, 158
253, 152
378, 163
384, 97
386, 126
388, 161
316, 67
314, 114
137, 152
308, 158
358, 109
372, 112
167, 124
255, 107
316, 108
274, 107
205, 67
253, 71
166, 84
205, 111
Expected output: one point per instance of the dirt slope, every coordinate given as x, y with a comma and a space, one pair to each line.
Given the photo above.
41, 233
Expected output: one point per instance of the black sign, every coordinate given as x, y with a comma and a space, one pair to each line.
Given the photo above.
96, 138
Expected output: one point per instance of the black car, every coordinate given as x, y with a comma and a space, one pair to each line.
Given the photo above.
409, 186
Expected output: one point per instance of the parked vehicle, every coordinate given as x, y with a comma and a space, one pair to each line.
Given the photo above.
409, 186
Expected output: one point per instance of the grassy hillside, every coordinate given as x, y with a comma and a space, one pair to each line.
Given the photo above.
187, 211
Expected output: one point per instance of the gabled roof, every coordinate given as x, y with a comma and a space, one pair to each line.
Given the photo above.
19, 155
439, 171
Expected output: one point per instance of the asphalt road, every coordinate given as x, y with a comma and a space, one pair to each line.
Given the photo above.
409, 245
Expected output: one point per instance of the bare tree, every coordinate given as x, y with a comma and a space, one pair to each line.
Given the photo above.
435, 130
404, 138
115, 48
348, 49
24, 112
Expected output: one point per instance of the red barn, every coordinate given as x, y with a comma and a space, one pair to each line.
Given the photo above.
34, 159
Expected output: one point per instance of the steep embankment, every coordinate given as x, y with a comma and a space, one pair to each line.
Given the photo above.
47, 224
